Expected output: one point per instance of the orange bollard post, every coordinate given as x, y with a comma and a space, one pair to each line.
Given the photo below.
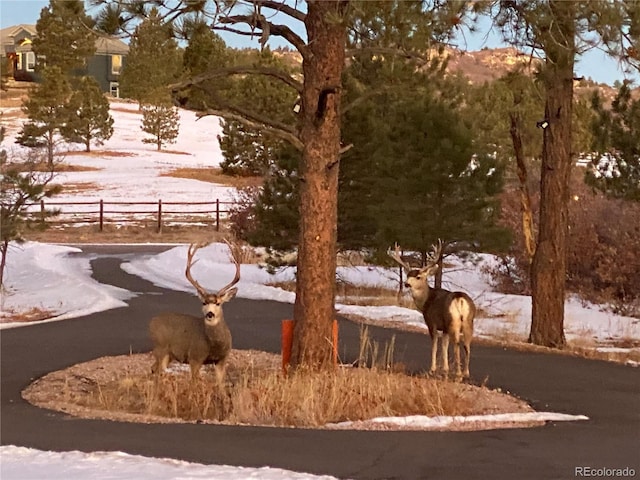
286, 341
334, 340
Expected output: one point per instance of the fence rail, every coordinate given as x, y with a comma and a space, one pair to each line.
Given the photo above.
104, 212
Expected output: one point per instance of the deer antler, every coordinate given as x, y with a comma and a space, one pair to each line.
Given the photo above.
193, 248
434, 256
395, 254
235, 256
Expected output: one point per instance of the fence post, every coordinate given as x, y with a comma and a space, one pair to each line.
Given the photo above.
42, 211
159, 216
217, 214
101, 214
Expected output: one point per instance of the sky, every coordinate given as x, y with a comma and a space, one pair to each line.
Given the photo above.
594, 64
45, 276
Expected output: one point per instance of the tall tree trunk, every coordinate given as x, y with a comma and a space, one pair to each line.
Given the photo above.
4, 247
525, 195
548, 270
320, 133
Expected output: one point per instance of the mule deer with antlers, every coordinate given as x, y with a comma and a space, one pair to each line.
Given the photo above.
191, 339
448, 312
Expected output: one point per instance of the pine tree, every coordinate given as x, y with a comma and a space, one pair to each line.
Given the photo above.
418, 178
153, 61
46, 108
88, 118
616, 166
205, 52
162, 122
21, 184
275, 213
64, 36
252, 151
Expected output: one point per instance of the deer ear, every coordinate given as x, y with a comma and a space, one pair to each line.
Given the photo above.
228, 295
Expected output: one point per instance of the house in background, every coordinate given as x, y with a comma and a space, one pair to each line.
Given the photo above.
105, 65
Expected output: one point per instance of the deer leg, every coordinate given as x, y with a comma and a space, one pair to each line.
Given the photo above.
434, 352
456, 353
219, 369
444, 339
467, 355
195, 370
161, 363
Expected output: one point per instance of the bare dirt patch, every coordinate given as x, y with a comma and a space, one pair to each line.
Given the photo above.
79, 187
96, 389
213, 175
99, 153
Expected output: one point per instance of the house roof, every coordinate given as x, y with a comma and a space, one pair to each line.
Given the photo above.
104, 45
111, 45
8, 34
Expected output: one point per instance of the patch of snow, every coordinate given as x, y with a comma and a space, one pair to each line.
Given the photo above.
19, 463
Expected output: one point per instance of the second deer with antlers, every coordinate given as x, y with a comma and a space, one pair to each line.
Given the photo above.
448, 312
196, 340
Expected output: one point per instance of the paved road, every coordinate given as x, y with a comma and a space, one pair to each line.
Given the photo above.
608, 394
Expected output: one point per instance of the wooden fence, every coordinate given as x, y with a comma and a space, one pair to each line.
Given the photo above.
162, 213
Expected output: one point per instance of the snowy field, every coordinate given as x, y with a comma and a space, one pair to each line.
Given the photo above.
44, 276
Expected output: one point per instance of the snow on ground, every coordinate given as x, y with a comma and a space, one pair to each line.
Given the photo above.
129, 170
50, 278
19, 463
45, 277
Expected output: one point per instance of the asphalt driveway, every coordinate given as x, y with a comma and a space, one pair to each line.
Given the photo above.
607, 393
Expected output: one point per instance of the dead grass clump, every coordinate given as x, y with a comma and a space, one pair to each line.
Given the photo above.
34, 314
213, 175
59, 167
312, 399
301, 399
115, 233
99, 153
257, 393
79, 187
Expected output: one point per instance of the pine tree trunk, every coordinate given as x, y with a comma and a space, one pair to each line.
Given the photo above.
320, 132
548, 270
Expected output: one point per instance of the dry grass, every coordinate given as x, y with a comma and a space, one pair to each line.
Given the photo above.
144, 233
213, 175
256, 393
59, 167
34, 314
98, 153
79, 187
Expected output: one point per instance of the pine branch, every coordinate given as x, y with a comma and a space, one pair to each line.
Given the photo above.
257, 123
250, 119
281, 8
258, 21
240, 69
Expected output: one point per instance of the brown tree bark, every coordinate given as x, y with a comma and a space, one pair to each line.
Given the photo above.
548, 270
320, 134
525, 195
